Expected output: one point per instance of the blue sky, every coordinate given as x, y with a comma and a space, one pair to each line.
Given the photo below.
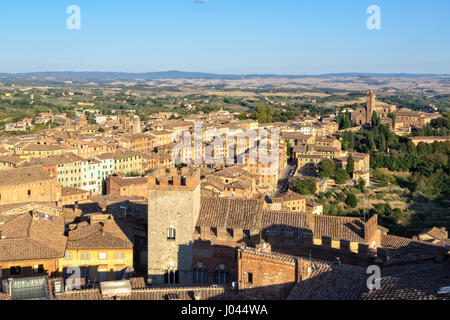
226, 36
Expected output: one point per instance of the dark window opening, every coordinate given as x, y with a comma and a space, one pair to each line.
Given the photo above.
222, 277
38, 269
200, 275
172, 277
250, 277
15, 271
171, 234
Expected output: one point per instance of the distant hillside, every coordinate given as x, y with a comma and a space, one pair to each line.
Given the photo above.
70, 75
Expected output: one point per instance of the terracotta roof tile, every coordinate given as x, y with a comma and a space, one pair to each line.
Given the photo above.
104, 234
29, 238
23, 175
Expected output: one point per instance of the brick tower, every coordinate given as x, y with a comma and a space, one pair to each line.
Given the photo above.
371, 102
173, 209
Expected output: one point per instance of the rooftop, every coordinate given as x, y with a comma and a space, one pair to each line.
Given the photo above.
32, 236
23, 175
248, 214
100, 232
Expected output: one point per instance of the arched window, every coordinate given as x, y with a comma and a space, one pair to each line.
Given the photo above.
200, 275
222, 276
172, 277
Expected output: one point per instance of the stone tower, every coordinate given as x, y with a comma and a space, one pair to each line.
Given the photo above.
136, 125
371, 102
173, 210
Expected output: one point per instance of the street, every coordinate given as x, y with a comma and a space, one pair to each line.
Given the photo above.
282, 181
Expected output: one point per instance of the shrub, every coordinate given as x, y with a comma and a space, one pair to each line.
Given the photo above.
351, 200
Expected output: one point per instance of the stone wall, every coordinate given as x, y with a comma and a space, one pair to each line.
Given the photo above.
177, 208
42, 191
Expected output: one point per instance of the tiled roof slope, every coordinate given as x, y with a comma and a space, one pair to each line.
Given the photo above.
411, 282
229, 213
394, 242
327, 282
339, 228
248, 214
105, 234
154, 293
28, 238
23, 175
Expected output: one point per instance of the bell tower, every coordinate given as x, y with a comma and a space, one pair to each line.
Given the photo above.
371, 102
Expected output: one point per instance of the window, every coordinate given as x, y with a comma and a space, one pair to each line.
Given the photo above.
172, 277
38, 269
200, 275
68, 256
102, 275
85, 256
85, 273
15, 271
119, 256
222, 277
171, 234
102, 256
29, 192
250, 278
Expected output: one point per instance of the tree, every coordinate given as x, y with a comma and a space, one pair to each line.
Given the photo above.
382, 143
350, 166
384, 182
375, 119
341, 176
305, 186
263, 113
341, 196
397, 214
361, 185
288, 149
344, 121
351, 200
348, 141
242, 116
393, 117
326, 169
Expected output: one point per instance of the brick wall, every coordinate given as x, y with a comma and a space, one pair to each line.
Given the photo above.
262, 274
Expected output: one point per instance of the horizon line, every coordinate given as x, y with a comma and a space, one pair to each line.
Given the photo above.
226, 74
